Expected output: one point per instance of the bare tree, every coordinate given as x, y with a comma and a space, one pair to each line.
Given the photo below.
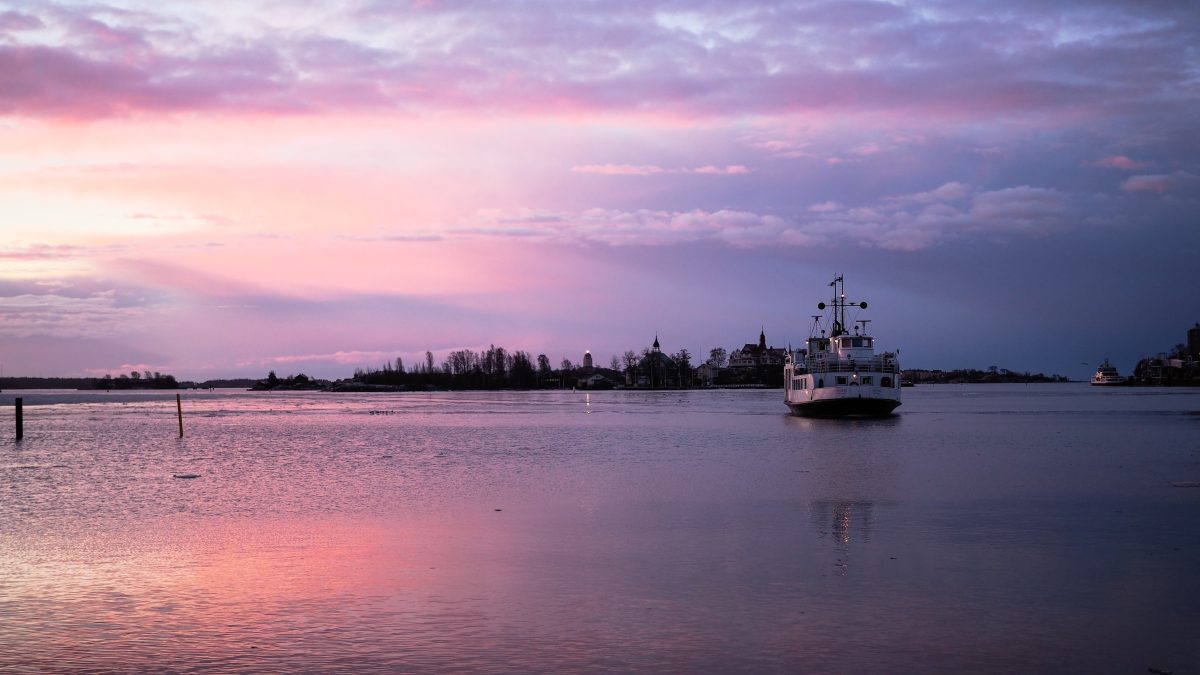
718, 357
683, 359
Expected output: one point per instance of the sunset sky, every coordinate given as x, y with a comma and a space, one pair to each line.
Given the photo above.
223, 188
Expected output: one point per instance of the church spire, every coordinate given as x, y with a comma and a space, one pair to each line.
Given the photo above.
762, 338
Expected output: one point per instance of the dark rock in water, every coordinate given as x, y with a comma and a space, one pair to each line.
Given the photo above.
185, 475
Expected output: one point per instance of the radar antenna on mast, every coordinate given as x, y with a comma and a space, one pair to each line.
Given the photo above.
839, 306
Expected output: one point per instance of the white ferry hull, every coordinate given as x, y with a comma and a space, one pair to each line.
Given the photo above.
846, 402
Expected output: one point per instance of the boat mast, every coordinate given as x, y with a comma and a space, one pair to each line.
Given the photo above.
839, 306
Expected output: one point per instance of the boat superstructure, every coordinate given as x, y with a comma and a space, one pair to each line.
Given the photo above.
1106, 375
838, 373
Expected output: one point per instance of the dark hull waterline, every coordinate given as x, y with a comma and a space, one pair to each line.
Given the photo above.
845, 407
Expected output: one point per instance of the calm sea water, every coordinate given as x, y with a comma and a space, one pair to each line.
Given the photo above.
1047, 528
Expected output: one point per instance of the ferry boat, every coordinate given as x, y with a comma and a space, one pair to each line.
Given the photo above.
1106, 375
839, 374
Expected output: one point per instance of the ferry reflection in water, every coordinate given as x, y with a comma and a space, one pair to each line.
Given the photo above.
840, 522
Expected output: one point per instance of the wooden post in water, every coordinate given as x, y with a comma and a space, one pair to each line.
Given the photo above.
20, 419
179, 409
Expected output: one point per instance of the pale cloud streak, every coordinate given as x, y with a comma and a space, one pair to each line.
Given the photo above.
649, 170
909, 222
356, 357
59, 315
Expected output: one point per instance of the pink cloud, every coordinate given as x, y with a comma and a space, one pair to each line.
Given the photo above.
826, 207
729, 170
951, 191
36, 252
1118, 162
1162, 183
868, 149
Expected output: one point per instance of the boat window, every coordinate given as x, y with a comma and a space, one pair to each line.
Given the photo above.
867, 342
846, 342
858, 342
867, 380
885, 382
841, 379
820, 383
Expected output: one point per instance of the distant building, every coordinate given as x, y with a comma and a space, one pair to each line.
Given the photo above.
595, 381
706, 374
656, 369
1180, 367
587, 360
757, 355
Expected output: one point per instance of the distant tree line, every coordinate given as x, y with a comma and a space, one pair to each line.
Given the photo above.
993, 374
492, 368
121, 382
499, 368
136, 380
46, 382
290, 383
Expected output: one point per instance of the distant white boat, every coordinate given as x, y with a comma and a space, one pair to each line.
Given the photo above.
1106, 375
839, 374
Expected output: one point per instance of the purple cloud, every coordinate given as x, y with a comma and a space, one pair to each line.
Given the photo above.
13, 21
710, 59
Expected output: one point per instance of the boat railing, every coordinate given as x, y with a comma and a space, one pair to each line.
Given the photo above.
878, 364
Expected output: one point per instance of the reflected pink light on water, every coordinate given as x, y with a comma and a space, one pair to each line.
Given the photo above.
666, 531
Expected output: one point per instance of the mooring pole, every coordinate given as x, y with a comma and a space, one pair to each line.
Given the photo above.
179, 409
20, 419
